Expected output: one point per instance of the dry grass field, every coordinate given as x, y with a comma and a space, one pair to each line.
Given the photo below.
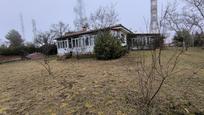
91, 87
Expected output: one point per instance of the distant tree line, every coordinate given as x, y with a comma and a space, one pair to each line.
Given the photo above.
188, 39
188, 23
44, 42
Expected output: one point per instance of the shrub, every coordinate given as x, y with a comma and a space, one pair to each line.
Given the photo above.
107, 47
49, 49
25, 50
20, 50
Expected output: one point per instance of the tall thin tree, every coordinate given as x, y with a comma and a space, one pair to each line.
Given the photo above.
81, 19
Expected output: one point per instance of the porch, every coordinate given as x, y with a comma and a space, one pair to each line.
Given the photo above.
142, 41
80, 45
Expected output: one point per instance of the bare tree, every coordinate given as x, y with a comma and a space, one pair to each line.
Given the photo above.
103, 17
81, 19
198, 6
46, 64
190, 18
177, 21
194, 14
153, 74
154, 71
46, 41
59, 29
174, 17
44, 38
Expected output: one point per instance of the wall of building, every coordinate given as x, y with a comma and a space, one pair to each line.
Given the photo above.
85, 43
143, 41
81, 45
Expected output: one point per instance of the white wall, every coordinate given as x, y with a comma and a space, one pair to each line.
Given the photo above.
84, 48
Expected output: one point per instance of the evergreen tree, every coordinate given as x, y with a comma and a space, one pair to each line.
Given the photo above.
14, 38
107, 47
183, 39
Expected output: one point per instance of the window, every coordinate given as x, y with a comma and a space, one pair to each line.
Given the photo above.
83, 42
137, 42
90, 44
134, 42
74, 43
70, 43
91, 41
62, 44
140, 41
122, 38
151, 40
147, 40
87, 41
58, 44
144, 41
77, 42
65, 44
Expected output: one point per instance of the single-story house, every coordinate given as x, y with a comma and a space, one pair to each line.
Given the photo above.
83, 42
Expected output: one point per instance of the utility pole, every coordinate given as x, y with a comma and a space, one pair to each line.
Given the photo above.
154, 26
22, 25
34, 29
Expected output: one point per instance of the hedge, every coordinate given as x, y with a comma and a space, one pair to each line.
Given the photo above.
24, 50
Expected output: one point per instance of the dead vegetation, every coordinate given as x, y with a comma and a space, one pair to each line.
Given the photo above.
88, 86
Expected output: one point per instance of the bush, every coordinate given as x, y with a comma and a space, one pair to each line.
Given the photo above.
20, 50
107, 47
49, 49
25, 50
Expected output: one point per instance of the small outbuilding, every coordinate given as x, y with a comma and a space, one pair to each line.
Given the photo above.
143, 41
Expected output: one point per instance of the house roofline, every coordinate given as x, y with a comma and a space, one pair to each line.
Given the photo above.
76, 34
143, 34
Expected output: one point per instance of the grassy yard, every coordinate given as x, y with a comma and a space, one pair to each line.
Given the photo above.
92, 87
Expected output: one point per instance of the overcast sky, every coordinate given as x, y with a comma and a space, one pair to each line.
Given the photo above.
47, 12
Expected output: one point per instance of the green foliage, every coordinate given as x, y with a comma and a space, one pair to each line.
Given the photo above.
198, 39
20, 50
107, 47
183, 37
14, 38
49, 49
24, 50
159, 41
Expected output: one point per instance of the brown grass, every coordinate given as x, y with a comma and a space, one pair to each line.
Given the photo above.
88, 86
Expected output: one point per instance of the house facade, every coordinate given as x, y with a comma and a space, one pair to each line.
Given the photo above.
83, 42
143, 41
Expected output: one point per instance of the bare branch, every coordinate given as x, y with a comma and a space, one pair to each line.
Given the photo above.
103, 17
